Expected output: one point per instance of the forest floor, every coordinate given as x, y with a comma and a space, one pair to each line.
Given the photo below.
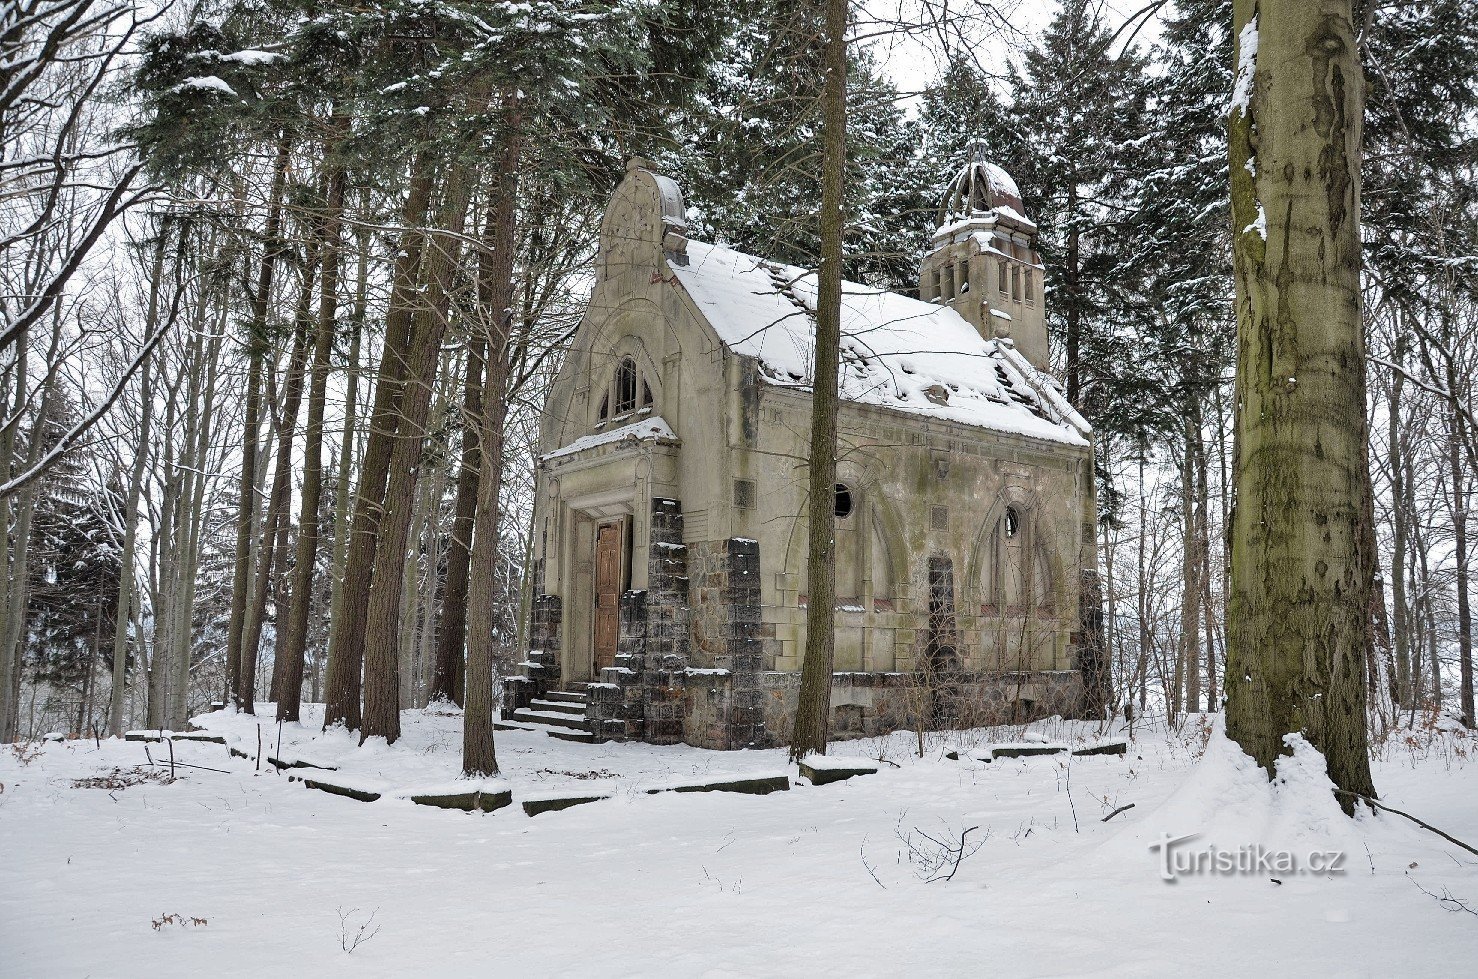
109, 868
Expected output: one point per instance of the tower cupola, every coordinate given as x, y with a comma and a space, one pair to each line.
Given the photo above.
983, 261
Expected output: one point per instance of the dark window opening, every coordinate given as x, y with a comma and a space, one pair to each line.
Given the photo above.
1012, 522
1015, 284
843, 501
646, 395
605, 406
1001, 274
626, 387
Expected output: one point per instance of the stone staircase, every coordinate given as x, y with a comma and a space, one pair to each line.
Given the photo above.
560, 714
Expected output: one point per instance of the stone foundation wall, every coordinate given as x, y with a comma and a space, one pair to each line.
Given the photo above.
540, 669
870, 704
724, 700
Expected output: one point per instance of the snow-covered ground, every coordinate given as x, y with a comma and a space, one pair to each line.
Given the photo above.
833, 879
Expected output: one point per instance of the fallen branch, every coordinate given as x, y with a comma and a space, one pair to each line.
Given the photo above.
1424, 825
1445, 900
1116, 812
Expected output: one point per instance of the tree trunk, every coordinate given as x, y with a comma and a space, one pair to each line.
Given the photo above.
294, 632
347, 627
381, 646
447, 679
256, 346
813, 710
189, 566
130, 523
495, 296
1298, 615
1400, 514
343, 502
1190, 596
280, 497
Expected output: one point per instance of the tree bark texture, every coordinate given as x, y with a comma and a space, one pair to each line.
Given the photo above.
346, 660
294, 637
495, 296
1298, 615
813, 709
256, 352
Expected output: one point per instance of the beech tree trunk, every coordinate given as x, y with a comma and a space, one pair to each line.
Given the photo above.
813, 710
1298, 615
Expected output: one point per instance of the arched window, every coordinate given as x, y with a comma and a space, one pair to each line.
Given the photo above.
626, 386
1011, 523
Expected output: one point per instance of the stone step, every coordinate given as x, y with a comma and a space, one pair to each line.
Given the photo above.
559, 707
550, 718
567, 696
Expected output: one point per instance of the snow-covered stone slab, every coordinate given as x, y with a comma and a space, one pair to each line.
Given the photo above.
359, 789
822, 770
535, 804
469, 796
1115, 746
746, 784
1023, 749
210, 736
298, 761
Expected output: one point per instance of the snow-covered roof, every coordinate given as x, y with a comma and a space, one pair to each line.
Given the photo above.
898, 353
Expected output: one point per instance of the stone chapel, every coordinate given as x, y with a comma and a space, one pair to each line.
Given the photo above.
669, 571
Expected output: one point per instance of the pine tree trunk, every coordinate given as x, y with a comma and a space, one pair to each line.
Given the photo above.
343, 486
294, 631
447, 678
1298, 615
346, 659
495, 296
382, 632
813, 709
251, 430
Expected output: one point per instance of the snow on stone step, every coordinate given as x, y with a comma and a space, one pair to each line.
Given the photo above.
550, 717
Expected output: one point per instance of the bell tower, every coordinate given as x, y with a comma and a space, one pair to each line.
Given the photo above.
983, 262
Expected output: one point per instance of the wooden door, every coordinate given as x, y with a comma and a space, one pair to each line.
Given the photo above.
607, 594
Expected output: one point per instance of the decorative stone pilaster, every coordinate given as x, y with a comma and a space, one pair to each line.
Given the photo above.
746, 721
666, 647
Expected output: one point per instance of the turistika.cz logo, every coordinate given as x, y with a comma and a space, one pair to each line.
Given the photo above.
1177, 860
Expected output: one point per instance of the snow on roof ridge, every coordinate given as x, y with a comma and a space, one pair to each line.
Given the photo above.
898, 352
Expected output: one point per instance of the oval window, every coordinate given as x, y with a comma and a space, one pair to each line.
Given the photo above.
843, 500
